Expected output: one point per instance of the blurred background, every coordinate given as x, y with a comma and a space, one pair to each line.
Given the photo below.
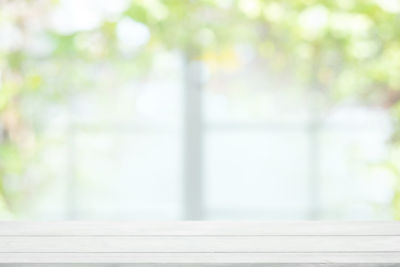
200, 109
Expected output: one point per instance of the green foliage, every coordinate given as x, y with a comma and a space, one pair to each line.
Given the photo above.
345, 48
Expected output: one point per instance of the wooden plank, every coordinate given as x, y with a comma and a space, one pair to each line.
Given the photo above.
198, 228
212, 258
242, 244
200, 242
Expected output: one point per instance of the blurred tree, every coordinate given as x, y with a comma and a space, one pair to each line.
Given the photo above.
343, 49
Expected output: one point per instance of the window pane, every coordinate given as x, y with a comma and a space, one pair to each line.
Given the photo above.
353, 145
256, 175
127, 175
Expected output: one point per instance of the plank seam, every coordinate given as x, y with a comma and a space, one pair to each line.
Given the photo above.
198, 252
266, 235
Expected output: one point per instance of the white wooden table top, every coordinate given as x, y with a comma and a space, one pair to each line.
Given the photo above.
201, 242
